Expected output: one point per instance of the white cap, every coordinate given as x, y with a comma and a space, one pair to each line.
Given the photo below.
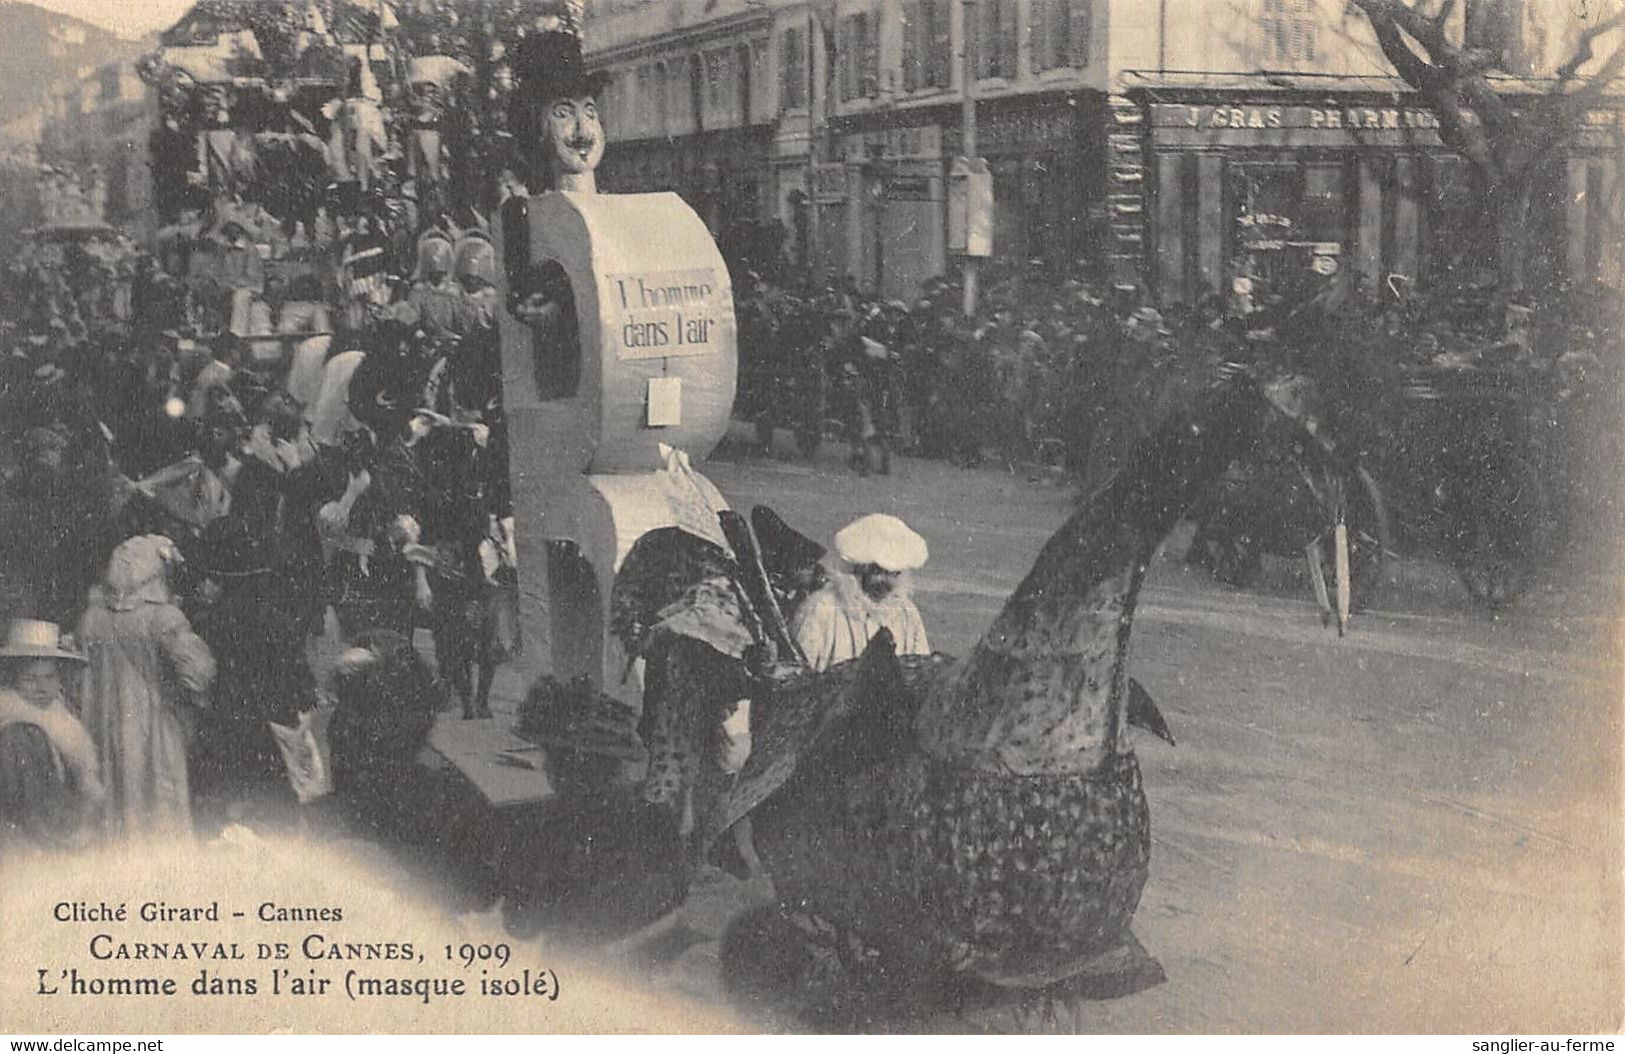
882, 540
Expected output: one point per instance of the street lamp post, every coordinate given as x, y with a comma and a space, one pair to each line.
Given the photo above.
812, 149
967, 81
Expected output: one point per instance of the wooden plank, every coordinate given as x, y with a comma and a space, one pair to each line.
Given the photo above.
1610, 217
1369, 247
1210, 221
1407, 218
1170, 229
1577, 215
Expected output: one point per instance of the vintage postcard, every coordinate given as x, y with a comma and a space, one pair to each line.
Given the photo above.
834, 516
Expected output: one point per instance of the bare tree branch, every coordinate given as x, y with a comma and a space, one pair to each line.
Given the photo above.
1411, 67
1582, 50
1419, 27
1463, 136
1543, 127
1440, 81
1487, 103
1444, 14
1476, 121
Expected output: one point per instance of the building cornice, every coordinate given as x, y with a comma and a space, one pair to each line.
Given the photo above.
743, 23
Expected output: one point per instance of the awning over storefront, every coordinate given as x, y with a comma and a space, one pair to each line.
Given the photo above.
1264, 175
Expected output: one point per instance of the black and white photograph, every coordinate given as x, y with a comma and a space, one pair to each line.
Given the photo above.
812, 517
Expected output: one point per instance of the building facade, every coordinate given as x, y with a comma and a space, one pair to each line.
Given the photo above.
690, 107
96, 132
1294, 145
1174, 142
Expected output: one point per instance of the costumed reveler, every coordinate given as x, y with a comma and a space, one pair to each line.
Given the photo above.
149, 674
51, 791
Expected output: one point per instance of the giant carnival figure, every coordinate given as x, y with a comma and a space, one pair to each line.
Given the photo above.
618, 367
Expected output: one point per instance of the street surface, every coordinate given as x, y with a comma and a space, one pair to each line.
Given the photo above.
1412, 828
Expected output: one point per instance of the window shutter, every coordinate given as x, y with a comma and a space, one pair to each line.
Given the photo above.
1038, 33
786, 95
1081, 16
911, 45
871, 55
941, 43
803, 67
928, 43
846, 57
1007, 39
975, 13
1277, 38
1306, 27
1060, 33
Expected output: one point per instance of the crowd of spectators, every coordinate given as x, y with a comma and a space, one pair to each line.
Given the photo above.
269, 434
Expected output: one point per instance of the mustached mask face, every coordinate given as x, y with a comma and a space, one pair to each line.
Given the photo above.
877, 582
575, 134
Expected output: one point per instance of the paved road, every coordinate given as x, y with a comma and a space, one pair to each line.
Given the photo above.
1413, 828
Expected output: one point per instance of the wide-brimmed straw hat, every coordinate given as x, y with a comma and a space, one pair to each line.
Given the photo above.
28, 638
882, 540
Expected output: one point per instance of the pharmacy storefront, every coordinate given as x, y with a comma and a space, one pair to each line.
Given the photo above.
1261, 184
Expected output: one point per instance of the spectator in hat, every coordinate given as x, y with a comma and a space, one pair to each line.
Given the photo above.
441, 306
475, 265
867, 592
50, 781
149, 673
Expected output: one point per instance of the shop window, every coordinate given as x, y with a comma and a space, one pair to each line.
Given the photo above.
1288, 29
927, 53
792, 69
1453, 216
1325, 202
1059, 33
995, 39
1282, 213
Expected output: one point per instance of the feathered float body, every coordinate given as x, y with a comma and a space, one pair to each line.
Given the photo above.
986, 816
